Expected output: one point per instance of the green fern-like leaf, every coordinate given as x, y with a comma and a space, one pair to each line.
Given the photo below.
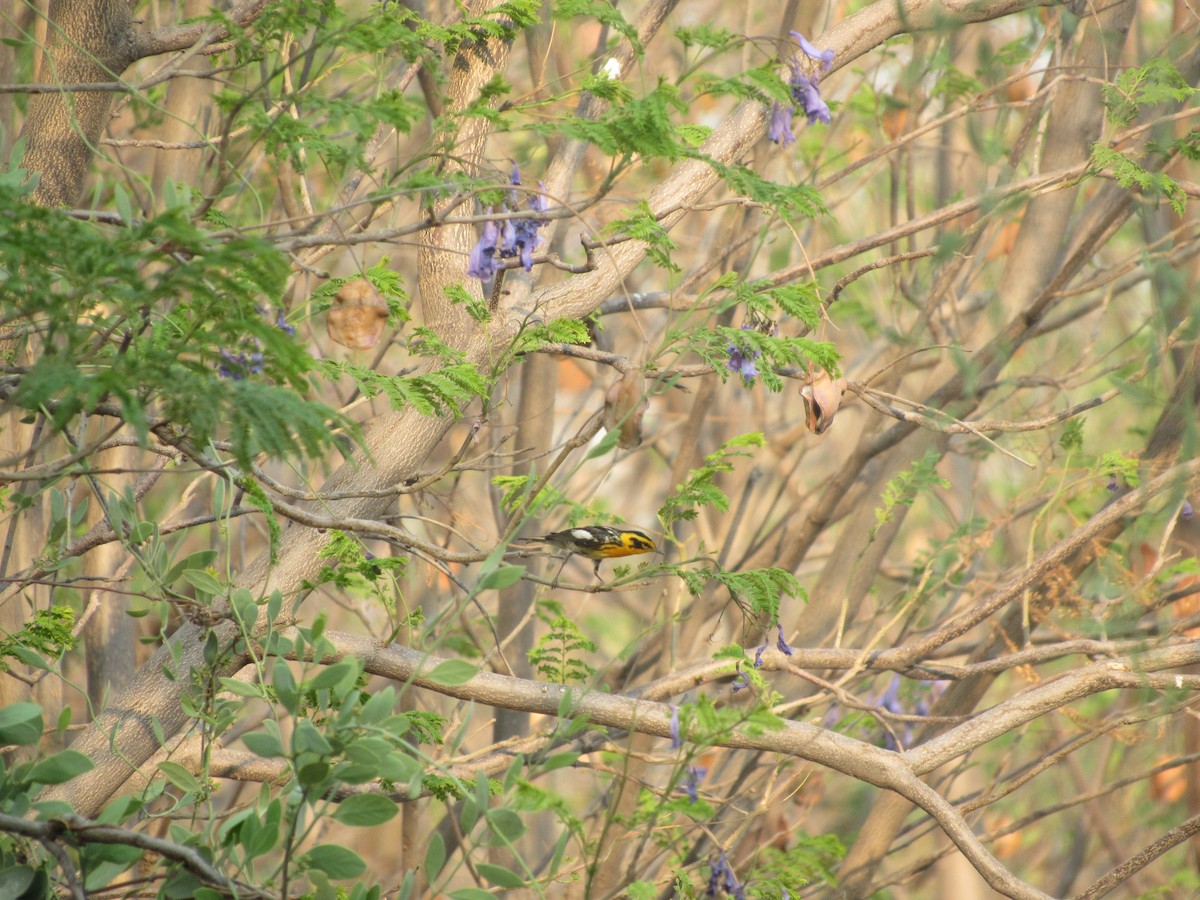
432, 393
1129, 173
905, 487
556, 656
698, 489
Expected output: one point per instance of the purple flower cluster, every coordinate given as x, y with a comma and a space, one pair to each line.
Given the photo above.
806, 94
238, 366
740, 681
742, 362
510, 237
244, 363
784, 647
891, 702
691, 784
721, 879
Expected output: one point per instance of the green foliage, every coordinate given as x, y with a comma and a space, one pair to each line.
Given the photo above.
1115, 464
788, 201
1156, 81
1072, 435
556, 656
144, 333
954, 84
807, 859
770, 353
643, 226
560, 331
47, 635
762, 84
514, 490
641, 125
757, 592
763, 300
708, 36
435, 393
602, 12
906, 486
699, 488
257, 497
1129, 173
354, 569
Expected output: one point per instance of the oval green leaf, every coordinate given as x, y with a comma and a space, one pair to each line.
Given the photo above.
365, 810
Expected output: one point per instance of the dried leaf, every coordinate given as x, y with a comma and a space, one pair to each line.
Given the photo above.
358, 315
822, 398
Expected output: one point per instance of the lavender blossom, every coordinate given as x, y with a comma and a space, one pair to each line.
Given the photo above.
741, 681
743, 363
237, 366
282, 323
539, 202
691, 784
807, 96
780, 131
676, 740
824, 57
805, 93
758, 662
510, 237
721, 878
482, 263
783, 645
890, 701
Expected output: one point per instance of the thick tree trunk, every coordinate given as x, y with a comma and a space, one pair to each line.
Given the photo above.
90, 41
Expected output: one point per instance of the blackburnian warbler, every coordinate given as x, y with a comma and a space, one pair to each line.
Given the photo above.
600, 542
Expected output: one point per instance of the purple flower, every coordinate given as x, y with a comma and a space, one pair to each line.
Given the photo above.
508, 238
239, 365
741, 681
891, 697
741, 362
482, 263
281, 323
758, 656
676, 740
891, 702
1112, 483
721, 878
526, 240
512, 237
1187, 511
780, 131
805, 92
824, 57
691, 784
807, 96
783, 646
515, 179
539, 202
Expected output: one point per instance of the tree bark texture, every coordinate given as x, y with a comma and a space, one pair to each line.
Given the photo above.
89, 41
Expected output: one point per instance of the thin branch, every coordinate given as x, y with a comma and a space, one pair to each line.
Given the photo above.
78, 830
1139, 861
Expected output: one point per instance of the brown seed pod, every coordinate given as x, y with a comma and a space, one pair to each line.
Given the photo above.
357, 316
822, 398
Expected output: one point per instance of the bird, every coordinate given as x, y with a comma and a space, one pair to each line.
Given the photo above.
600, 542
